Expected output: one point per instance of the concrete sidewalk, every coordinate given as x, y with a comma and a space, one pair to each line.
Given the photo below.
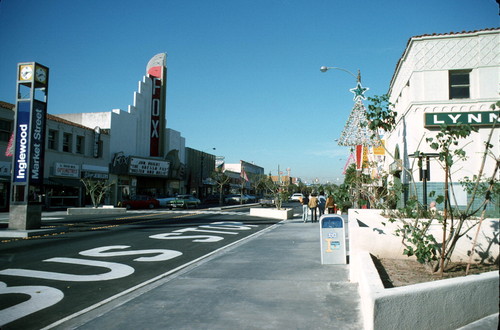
274, 280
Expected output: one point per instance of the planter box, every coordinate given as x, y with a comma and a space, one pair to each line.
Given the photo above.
100, 210
443, 304
282, 214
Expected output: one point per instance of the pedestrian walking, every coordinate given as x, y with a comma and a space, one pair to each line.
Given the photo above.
321, 203
330, 205
313, 206
305, 208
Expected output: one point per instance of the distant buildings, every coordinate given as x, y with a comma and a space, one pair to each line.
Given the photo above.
132, 149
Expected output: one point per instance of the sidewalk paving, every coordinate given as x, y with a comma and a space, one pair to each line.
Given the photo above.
273, 280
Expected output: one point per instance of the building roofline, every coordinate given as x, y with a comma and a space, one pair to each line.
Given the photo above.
7, 105
12, 107
436, 36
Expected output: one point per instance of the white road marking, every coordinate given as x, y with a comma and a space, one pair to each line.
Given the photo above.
40, 297
116, 271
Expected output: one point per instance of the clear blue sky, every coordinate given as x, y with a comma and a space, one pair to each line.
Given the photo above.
243, 75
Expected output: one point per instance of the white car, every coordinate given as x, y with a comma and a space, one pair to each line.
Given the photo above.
296, 197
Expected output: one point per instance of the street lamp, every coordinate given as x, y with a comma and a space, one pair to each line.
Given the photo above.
355, 132
326, 68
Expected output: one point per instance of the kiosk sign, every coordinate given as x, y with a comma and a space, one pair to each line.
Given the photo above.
332, 235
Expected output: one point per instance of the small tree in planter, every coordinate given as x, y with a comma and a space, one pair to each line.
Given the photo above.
279, 192
96, 189
221, 179
414, 221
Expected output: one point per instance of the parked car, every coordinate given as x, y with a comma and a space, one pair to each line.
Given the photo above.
163, 201
184, 201
212, 199
235, 199
140, 202
251, 198
296, 197
267, 201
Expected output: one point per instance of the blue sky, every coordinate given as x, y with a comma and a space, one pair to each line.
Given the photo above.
243, 75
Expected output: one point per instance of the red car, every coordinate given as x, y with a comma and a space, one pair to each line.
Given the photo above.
141, 202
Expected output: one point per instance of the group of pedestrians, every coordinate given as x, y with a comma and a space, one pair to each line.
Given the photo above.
316, 204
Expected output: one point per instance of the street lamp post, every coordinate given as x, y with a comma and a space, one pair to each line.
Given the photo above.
326, 68
358, 95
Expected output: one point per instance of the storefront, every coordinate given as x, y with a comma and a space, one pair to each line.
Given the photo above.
4, 185
139, 176
63, 188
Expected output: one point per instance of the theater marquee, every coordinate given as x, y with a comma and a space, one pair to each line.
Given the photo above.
148, 167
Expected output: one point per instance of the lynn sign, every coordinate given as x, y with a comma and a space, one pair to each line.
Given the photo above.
477, 118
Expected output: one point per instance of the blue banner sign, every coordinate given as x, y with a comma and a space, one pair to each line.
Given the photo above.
22, 142
37, 142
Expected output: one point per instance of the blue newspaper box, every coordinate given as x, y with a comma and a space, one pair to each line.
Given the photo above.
332, 234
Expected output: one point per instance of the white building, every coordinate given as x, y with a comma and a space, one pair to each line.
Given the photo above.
248, 172
73, 152
141, 159
445, 78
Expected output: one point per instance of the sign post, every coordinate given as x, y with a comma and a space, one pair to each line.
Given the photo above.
29, 147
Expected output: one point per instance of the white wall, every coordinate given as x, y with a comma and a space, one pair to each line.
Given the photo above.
174, 141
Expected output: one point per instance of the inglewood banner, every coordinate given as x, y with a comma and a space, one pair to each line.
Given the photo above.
30, 142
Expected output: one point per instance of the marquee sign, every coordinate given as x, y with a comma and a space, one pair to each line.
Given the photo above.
140, 166
476, 118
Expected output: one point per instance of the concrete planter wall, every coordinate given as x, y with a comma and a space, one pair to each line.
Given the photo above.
92, 210
282, 214
444, 304
368, 233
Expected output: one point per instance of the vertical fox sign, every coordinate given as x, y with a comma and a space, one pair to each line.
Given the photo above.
157, 72
29, 146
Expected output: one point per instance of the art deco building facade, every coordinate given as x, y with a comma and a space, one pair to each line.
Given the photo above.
446, 78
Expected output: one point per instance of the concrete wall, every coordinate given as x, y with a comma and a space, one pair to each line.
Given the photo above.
443, 304
369, 234
174, 141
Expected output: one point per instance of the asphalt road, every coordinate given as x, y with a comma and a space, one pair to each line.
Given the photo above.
47, 278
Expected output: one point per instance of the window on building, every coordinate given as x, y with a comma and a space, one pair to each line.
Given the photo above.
459, 84
80, 144
67, 142
5, 130
52, 139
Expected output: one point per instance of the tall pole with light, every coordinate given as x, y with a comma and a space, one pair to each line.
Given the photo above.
356, 133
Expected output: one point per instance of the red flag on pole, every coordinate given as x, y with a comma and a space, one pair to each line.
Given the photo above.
359, 157
244, 175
